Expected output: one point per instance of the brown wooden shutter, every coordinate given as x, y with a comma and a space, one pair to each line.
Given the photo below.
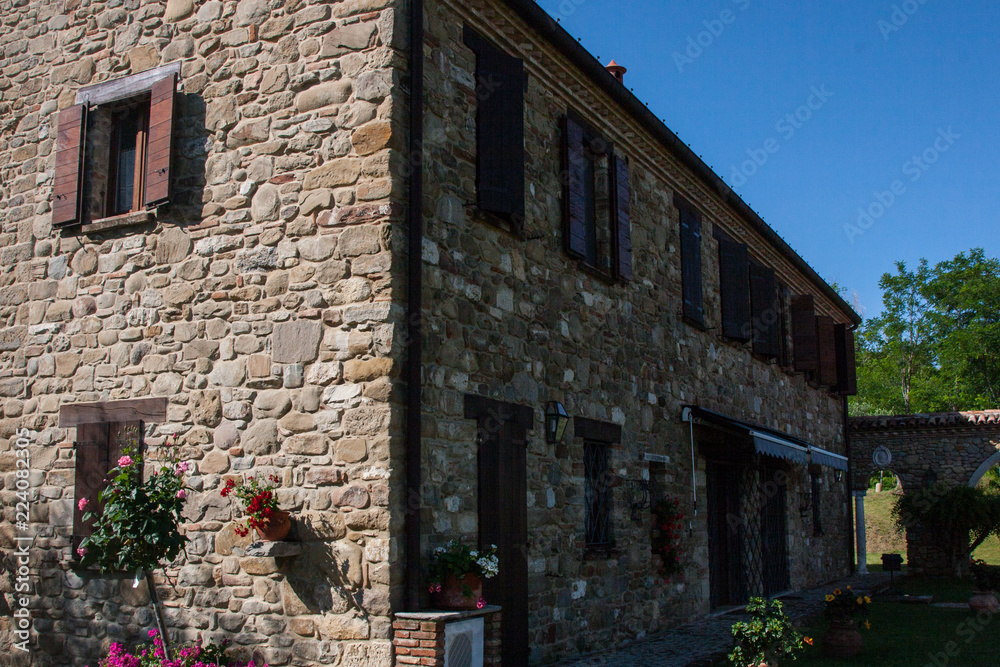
766, 313
827, 351
847, 379
691, 262
784, 327
67, 187
500, 82
161, 130
91, 470
804, 334
734, 289
623, 219
575, 194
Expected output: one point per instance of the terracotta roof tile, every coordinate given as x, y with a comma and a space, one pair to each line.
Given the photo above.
926, 420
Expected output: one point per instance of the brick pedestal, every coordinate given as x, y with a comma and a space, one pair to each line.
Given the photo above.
418, 637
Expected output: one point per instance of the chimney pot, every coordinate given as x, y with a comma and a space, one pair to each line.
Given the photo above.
616, 71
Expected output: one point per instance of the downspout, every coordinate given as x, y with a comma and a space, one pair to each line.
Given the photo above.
414, 308
851, 556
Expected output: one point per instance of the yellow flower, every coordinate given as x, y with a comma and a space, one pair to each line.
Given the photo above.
860, 601
837, 591
868, 600
848, 588
808, 640
829, 598
868, 625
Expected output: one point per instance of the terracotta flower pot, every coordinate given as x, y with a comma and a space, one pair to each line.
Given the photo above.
842, 640
452, 594
984, 601
276, 528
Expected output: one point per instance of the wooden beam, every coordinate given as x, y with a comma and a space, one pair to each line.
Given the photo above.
149, 410
126, 86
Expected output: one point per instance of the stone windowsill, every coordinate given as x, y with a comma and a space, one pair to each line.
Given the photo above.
118, 222
447, 616
270, 549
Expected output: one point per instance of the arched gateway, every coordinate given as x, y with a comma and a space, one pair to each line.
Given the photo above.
956, 448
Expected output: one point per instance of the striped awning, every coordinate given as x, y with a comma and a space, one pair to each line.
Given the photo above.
829, 459
782, 448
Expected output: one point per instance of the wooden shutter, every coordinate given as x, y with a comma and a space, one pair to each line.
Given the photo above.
766, 313
784, 329
691, 263
804, 334
67, 187
500, 81
827, 351
734, 289
623, 219
91, 469
847, 379
160, 146
575, 194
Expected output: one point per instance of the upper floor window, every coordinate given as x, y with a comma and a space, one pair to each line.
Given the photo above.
734, 288
113, 150
691, 278
597, 201
500, 83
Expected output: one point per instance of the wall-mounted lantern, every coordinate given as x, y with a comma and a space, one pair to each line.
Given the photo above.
556, 419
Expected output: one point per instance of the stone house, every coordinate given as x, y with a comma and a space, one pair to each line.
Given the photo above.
207, 216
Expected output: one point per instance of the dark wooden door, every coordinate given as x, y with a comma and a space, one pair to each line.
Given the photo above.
727, 578
503, 521
774, 534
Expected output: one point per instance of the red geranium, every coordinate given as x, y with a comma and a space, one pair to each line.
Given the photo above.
259, 501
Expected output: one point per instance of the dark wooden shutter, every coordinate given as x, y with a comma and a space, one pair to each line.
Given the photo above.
623, 219
847, 379
91, 469
804, 334
827, 351
67, 187
500, 82
734, 289
691, 263
161, 130
784, 327
575, 194
766, 313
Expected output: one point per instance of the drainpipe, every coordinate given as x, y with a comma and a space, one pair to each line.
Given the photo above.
850, 489
414, 307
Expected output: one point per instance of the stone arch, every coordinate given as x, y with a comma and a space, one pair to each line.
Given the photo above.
983, 469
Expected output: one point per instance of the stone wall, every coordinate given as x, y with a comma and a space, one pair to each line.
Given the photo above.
953, 448
515, 319
263, 301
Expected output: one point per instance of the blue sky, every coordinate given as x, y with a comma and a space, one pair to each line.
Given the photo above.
895, 81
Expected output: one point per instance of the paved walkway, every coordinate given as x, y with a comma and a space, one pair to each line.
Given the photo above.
707, 640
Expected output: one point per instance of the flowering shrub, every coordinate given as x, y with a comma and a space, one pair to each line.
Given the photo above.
460, 560
845, 605
768, 636
154, 655
137, 526
667, 528
259, 502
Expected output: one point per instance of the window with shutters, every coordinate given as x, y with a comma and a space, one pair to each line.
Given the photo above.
500, 84
766, 312
785, 333
847, 381
804, 339
734, 288
827, 351
691, 277
113, 149
597, 202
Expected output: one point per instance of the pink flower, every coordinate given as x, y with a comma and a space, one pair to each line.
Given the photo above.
81, 552
83, 503
182, 494
480, 603
153, 632
182, 467
124, 461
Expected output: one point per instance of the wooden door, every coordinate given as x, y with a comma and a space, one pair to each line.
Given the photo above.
774, 537
503, 521
727, 578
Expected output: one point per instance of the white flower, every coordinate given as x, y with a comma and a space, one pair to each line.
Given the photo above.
440, 550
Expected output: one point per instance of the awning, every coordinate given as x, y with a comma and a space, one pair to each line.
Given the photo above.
766, 441
829, 459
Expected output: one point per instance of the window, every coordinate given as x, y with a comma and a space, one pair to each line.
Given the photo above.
734, 288
500, 83
816, 478
827, 351
847, 380
804, 338
691, 278
597, 201
784, 297
766, 311
113, 149
597, 494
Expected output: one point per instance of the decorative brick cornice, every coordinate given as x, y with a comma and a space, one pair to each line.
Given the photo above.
980, 418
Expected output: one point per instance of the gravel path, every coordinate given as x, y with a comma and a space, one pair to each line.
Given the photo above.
705, 641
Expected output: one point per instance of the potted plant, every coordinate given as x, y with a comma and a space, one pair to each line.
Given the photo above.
456, 574
844, 607
985, 581
666, 535
261, 507
768, 636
